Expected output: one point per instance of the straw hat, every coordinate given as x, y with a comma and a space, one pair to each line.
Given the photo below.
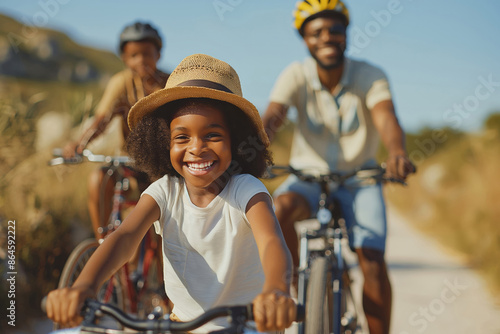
199, 76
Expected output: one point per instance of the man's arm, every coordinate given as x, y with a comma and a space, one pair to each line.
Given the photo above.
273, 118
393, 138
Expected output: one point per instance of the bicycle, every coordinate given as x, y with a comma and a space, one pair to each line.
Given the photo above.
135, 291
239, 316
324, 279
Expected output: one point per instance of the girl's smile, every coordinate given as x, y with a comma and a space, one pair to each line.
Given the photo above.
200, 147
200, 168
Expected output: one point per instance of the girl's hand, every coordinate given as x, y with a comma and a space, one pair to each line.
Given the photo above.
273, 311
70, 150
64, 305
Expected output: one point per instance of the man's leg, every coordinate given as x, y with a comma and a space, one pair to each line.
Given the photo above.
99, 201
377, 294
364, 210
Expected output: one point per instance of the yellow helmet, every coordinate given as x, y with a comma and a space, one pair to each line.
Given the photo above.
307, 8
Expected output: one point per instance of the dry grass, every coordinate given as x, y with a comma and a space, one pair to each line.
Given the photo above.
281, 153
48, 204
454, 198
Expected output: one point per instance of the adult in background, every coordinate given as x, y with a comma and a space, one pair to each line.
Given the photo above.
344, 107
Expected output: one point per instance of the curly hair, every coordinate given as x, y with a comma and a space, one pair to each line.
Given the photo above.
149, 142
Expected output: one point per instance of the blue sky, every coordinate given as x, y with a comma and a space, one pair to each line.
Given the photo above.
441, 57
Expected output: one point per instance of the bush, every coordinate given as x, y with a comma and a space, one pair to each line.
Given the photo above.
453, 198
47, 204
492, 123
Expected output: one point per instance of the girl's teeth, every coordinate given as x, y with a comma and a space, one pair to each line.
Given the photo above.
200, 166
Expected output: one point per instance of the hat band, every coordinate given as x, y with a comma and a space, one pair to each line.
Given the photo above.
206, 84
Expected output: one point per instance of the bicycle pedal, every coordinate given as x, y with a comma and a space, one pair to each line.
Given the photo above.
140, 283
349, 321
137, 279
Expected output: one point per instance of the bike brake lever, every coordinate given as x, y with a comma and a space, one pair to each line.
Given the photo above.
60, 160
395, 180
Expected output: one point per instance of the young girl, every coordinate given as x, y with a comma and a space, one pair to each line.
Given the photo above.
205, 145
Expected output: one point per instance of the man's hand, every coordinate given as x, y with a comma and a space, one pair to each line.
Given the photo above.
399, 167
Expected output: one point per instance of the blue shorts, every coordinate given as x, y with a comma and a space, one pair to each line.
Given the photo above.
363, 208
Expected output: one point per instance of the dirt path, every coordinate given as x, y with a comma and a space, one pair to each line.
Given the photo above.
434, 292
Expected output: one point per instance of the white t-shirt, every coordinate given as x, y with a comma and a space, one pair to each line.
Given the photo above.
334, 130
210, 255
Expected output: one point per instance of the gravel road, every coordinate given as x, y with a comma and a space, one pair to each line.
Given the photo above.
434, 291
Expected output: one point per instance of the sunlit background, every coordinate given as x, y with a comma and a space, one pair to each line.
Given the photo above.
436, 53
441, 58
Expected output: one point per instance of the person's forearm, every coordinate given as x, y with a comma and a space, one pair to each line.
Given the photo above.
94, 131
277, 265
387, 124
111, 255
273, 118
393, 137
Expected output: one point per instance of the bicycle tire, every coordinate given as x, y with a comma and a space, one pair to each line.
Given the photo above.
73, 267
319, 298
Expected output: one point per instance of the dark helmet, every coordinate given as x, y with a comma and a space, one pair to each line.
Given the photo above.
140, 31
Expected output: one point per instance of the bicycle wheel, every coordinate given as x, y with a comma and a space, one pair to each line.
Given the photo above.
111, 291
319, 298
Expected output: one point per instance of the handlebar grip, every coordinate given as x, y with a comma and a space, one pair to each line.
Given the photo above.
57, 152
301, 313
60, 160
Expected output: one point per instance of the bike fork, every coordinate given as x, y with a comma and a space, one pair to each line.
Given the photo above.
337, 283
302, 284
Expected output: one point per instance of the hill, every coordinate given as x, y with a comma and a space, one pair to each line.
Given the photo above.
36, 53
48, 85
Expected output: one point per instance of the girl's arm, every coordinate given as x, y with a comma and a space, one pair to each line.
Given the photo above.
274, 309
64, 305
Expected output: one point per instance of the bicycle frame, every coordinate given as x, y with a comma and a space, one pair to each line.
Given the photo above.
331, 231
135, 282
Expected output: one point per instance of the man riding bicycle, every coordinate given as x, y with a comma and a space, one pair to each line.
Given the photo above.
344, 107
140, 46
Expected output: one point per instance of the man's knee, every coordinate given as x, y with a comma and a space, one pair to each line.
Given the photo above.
291, 206
373, 265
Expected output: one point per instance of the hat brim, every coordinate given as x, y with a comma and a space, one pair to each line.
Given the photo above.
150, 103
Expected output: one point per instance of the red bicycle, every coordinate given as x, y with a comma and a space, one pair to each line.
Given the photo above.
137, 288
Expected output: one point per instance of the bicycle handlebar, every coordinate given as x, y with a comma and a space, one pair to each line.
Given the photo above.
239, 315
87, 155
338, 177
